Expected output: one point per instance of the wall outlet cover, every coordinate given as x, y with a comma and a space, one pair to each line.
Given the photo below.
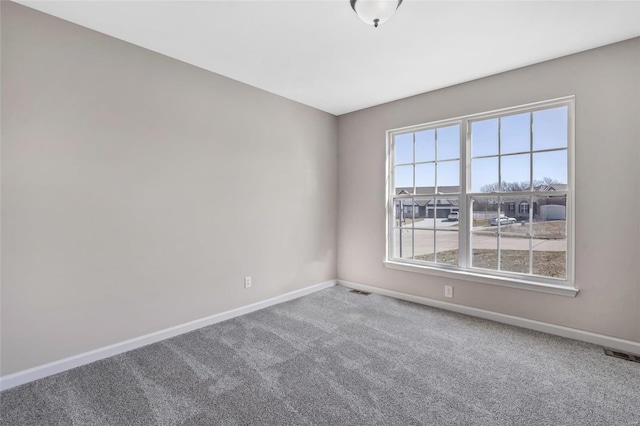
448, 291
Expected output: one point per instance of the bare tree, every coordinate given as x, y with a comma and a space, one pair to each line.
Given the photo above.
516, 186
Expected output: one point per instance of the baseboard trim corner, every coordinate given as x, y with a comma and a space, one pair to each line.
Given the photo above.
558, 330
22, 377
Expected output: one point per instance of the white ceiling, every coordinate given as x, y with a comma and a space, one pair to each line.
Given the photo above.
320, 54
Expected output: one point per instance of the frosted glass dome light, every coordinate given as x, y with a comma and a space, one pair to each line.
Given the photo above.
375, 12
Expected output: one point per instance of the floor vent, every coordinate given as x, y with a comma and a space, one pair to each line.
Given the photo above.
622, 355
361, 293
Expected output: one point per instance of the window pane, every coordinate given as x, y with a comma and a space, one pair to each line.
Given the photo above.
549, 229
550, 213
438, 209
484, 251
514, 254
403, 179
403, 148
426, 146
426, 178
484, 137
515, 172
408, 212
484, 209
425, 223
484, 174
550, 128
550, 168
402, 246
449, 177
403, 213
444, 207
420, 212
429, 222
550, 259
448, 140
447, 245
508, 212
424, 245
515, 133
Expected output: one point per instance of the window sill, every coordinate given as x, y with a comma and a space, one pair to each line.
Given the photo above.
561, 290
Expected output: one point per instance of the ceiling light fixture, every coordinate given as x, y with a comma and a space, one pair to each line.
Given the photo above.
375, 12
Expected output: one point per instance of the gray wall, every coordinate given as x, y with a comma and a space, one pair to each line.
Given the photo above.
606, 83
137, 191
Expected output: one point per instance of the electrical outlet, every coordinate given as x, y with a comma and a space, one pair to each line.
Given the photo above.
247, 282
448, 291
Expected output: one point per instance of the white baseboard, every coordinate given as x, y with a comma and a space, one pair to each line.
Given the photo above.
35, 373
558, 330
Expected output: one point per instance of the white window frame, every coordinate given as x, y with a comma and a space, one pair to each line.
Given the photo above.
566, 286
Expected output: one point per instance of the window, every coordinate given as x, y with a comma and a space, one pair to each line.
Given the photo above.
508, 174
524, 209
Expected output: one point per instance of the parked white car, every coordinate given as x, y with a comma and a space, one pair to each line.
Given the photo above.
453, 216
504, 220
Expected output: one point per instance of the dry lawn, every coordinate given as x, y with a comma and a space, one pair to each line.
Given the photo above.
545, 263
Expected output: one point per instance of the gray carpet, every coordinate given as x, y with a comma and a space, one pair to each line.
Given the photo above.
336, 358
